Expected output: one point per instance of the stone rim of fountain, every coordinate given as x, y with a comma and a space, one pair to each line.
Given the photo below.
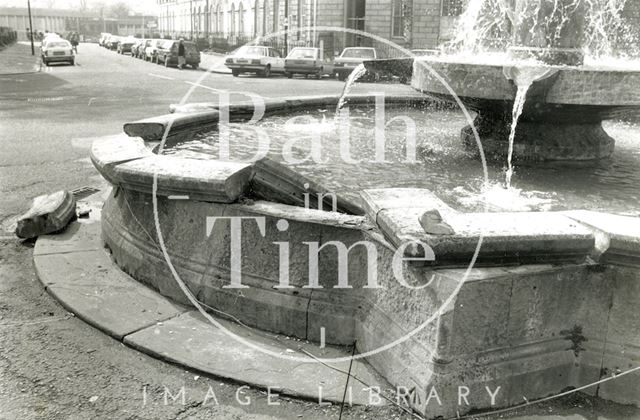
389, 221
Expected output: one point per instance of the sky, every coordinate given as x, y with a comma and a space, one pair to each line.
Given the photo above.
146, 6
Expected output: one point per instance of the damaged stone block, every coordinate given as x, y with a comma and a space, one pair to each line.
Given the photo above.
48, 214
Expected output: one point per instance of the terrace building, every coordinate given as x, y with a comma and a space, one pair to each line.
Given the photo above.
410, 23
88, 24
226, 24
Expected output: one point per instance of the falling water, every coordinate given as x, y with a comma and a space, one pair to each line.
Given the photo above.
523, 77
486, 26
357, 73
518, 106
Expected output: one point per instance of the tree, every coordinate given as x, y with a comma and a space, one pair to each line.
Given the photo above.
84, 5
119, 10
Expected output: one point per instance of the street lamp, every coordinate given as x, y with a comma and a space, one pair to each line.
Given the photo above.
33, 51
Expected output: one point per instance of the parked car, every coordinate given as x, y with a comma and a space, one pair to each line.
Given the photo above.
137, 49
151, 49
50, 36
255, 59
350, 58
112, 42
125, 44
167, 53
304, 60
103, 39
57, 50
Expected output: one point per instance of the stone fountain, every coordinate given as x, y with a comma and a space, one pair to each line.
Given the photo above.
563, 102
513, 306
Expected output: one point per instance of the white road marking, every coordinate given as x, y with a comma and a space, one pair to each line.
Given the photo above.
161, 77
178, 197
205, 87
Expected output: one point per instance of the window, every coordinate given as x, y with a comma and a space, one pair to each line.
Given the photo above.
452, 7
298, 53
250, 50
397, 29
232, 20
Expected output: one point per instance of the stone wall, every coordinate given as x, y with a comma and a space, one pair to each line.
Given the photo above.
426, 23
379, 20
631, 15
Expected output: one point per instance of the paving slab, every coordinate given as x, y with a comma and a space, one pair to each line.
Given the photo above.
88, 283
192, 341
81, 235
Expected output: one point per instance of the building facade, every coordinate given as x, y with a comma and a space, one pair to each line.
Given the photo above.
88, 24
410, 23
414, 24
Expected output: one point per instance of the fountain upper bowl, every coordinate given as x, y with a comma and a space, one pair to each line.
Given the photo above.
579, 93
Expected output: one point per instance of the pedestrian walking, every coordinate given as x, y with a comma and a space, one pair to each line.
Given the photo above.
182, 60
74, 41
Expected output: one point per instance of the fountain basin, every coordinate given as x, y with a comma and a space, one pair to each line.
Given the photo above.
562, 115
531, 326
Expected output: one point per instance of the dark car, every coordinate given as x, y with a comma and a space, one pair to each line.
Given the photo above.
167, 53
351, 58
304, 60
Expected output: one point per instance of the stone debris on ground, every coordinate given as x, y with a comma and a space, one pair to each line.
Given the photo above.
432, 223
48, 214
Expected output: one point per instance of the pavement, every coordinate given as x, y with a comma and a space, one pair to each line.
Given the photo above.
75, 269
17, 59
54, 365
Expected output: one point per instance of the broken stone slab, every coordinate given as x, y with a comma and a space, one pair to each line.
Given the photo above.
237, 111
433, 223
507, 238
153, 129
194, 179
275, 182
108, 152
376, 200
48, 214
617, 237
